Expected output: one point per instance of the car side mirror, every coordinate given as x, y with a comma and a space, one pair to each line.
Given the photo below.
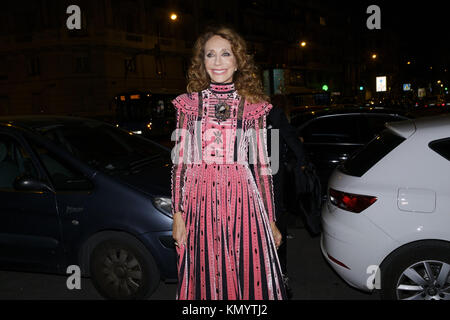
26, 183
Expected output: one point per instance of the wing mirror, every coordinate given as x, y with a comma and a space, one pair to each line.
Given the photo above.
27, 183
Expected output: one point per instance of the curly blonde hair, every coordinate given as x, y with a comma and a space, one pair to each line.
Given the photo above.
246, 79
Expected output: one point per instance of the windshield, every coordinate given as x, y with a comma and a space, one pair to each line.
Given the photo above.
103, 146
360, 162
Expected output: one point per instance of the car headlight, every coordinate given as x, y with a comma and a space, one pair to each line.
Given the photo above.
164, 205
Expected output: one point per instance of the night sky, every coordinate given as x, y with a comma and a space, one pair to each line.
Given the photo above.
423, 25
421, 30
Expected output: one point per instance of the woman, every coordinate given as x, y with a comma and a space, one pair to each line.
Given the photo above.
287, 142
223, 218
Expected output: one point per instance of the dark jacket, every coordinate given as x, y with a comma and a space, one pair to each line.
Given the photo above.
288, 139
289, 144
307, 184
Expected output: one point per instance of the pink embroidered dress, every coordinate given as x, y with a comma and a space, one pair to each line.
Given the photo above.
230, 252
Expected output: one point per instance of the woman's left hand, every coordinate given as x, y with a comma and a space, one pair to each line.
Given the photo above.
276, 234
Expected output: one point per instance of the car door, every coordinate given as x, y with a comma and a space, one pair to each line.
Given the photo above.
329, 140
30, 234
73, 190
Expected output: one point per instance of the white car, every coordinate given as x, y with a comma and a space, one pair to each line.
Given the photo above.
386, 223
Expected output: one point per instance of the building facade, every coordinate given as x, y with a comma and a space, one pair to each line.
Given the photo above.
133, 45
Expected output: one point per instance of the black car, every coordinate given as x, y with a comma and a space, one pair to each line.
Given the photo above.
80, 192
331, 135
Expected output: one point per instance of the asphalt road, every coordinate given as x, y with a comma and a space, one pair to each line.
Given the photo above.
310, 275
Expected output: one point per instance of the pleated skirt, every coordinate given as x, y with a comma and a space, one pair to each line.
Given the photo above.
230, 253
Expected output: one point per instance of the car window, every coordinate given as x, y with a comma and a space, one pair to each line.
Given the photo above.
376, 124
15, 161
62, 175
364, 159
334, 129
442, 147
298, 119
104, 147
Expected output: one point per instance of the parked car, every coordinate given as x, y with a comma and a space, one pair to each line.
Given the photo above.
387, 216
331, 135
77, 191
428, 111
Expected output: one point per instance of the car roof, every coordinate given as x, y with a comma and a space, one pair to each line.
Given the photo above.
430, 123
440, 124
299, 117
42, 121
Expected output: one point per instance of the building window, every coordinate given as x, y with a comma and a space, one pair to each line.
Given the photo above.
296, 78
34, 66
185, 63
3, 68
323, 22
130, 65
4, 105
82, 64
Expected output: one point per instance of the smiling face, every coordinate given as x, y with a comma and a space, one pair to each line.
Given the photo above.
220, 62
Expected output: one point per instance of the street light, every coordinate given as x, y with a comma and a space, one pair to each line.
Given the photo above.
173, 16
374, 56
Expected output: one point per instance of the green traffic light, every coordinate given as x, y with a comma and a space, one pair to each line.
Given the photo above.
325, 87
361, 88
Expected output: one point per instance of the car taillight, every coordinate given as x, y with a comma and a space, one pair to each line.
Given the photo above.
351, 202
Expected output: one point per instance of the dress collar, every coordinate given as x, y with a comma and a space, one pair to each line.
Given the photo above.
222, 87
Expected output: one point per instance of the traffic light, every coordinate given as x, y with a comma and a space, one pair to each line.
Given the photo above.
361, 88
325, 87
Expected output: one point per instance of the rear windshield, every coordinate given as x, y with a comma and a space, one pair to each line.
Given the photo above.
360, 162
442, 147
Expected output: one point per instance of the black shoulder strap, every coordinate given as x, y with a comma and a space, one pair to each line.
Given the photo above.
239, 126
200, 106
241, 109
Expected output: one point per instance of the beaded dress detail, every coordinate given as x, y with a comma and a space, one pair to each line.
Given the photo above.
222, 184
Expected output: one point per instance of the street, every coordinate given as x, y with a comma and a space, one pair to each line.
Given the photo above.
310, 275
344, 100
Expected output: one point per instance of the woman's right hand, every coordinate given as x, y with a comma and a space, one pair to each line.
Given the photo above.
179, 230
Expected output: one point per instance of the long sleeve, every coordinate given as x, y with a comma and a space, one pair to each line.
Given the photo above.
179, 163
187, 109
263, 172
287, 133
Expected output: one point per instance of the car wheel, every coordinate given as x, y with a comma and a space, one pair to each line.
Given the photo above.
122, 268
419, 272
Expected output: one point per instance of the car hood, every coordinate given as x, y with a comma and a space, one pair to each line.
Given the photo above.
153, 179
